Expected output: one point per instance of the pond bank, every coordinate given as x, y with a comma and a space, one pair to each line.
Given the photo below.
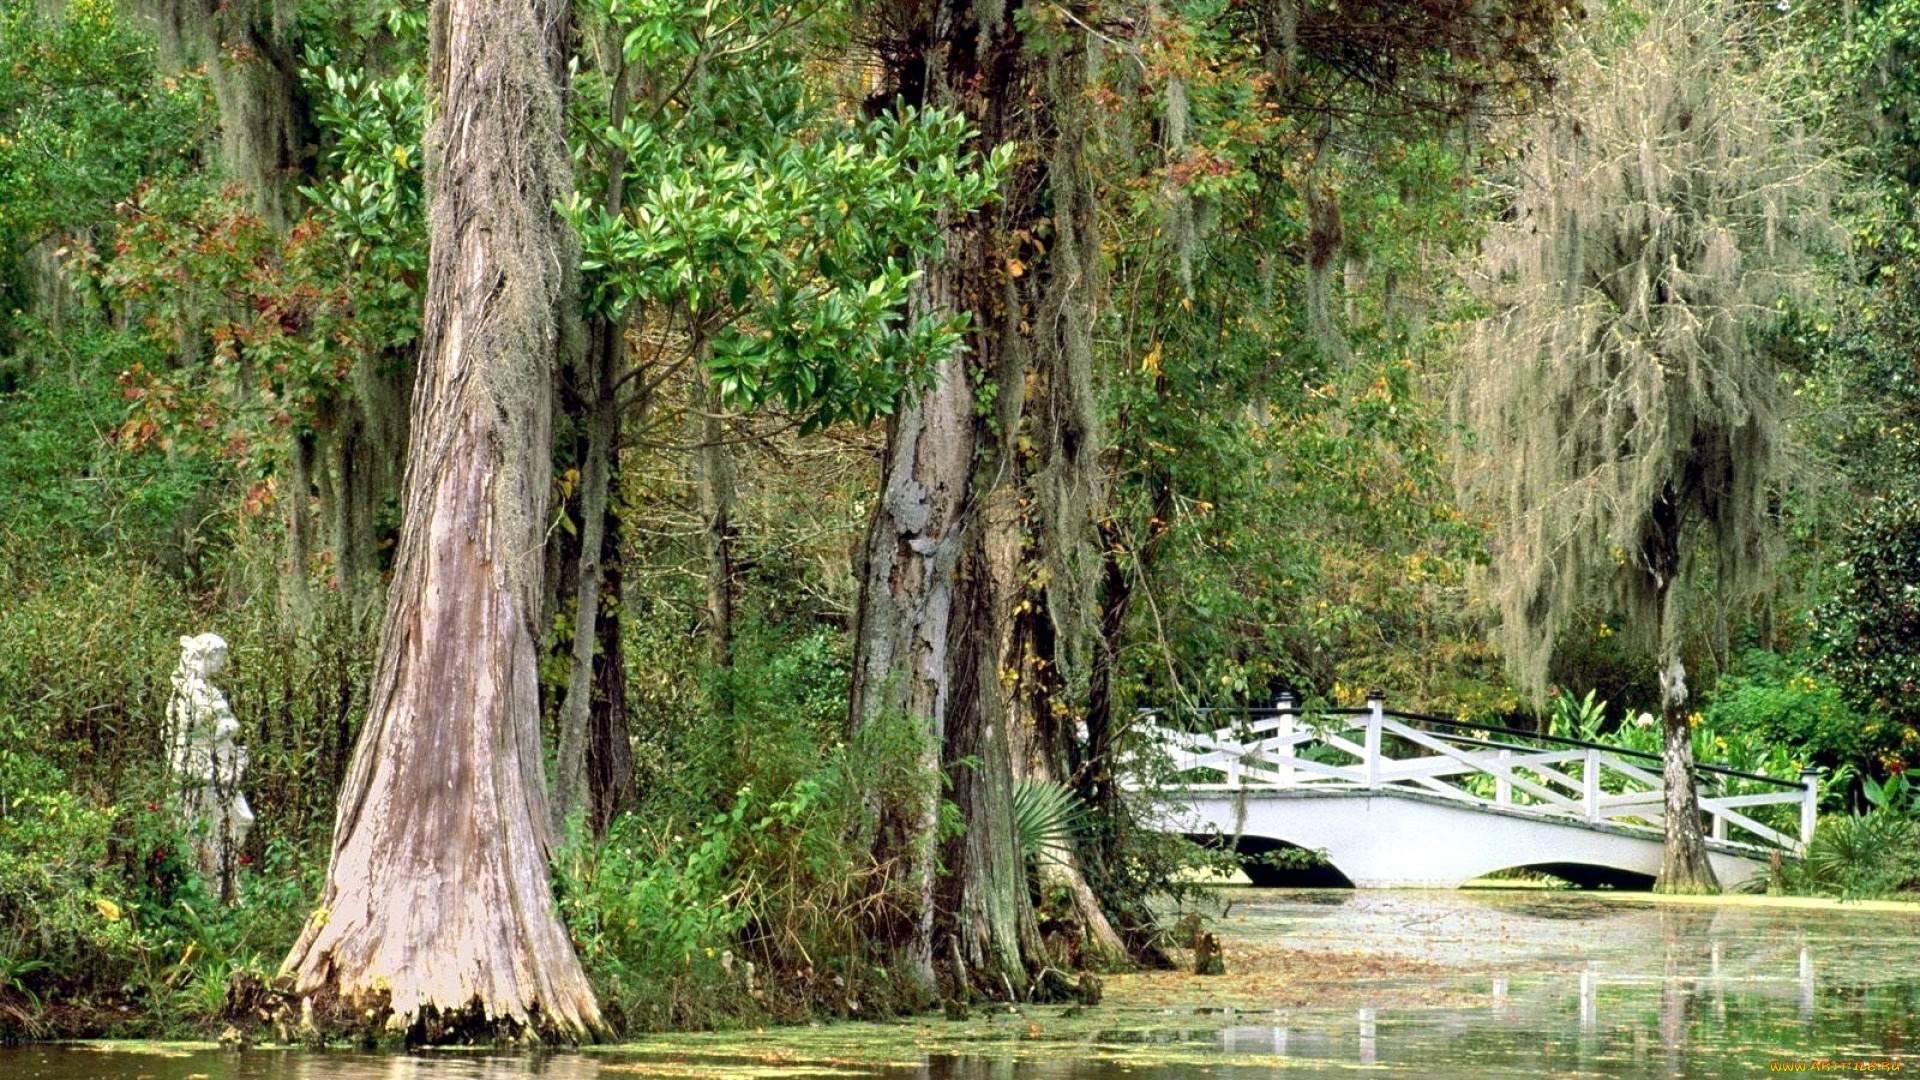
1526, 982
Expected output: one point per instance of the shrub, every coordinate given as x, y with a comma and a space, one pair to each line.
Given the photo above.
1789, 701
751, 912
1854, 856
1870, 631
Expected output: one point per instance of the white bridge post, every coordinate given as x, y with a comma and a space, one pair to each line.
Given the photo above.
1590, 781
1377, 703
1809, 805
1503, 787
1284, 759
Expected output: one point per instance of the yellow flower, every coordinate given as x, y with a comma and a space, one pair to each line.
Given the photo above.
108, 910
1693, 719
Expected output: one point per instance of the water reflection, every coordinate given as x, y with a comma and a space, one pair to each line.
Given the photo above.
136, 1062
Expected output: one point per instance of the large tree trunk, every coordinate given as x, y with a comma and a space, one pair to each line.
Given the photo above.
438, 907
941, 591
985, 909
978, 64
901, 642
1684, 865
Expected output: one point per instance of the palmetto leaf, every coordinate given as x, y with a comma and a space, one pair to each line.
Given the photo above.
1046, 813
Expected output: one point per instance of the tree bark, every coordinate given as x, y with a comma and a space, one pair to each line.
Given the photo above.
1684, 865
1041, 753
985, 906
1007, 519
902, 680
438, 908
601, 371
594, 760
609, 742
713, 471
978, 63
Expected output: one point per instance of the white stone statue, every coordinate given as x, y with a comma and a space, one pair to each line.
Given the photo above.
207, 763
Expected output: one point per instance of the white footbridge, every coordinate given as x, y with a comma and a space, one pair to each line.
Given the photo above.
1396, 800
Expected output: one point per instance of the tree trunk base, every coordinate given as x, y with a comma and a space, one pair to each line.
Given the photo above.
1072, 923
1666, 887
324, 1018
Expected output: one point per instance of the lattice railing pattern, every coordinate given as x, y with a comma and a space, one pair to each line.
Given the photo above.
1374, 748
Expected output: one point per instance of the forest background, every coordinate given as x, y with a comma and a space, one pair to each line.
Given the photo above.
1184, 294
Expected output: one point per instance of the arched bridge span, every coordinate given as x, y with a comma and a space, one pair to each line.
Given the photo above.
1401, 800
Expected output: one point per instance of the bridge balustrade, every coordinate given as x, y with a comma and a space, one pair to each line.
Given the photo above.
1490, 766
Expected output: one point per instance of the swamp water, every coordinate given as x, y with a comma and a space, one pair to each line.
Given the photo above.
1467, 984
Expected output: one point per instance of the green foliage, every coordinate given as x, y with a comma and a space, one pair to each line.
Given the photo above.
1584, 718
371, 200
675, 919
740, 850
1718, 739
1870, 630
67, 492
1291, 858
1046, 815
1855, 856
657, 907
1788, 701
779, 233
84, 117
53, 845
241, 347
105, 556
1281, 484
99, 903
237, 332
1897, 796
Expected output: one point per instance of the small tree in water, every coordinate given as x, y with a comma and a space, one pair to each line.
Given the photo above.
1629, 429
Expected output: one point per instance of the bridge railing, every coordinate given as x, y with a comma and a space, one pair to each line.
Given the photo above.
1374, 748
